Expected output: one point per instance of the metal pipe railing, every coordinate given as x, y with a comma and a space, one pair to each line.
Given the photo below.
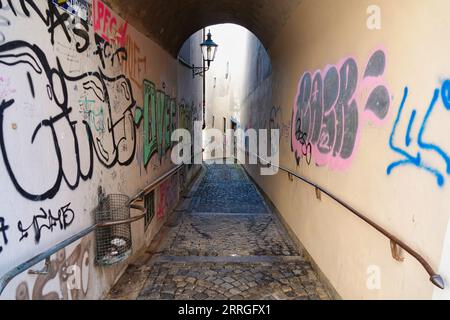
435, 278
156, 183
7, 277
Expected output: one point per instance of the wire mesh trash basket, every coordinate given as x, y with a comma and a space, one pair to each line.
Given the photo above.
113, 242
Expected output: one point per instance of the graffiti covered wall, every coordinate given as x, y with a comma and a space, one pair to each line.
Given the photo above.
327, 116
85, 102
363, 115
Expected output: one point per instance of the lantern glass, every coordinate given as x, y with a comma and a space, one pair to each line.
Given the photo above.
209, 49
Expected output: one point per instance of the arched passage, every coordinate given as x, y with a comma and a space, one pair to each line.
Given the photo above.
171, 23
237, 85
88, 108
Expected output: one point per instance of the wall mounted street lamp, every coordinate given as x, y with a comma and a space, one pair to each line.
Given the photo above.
209, 50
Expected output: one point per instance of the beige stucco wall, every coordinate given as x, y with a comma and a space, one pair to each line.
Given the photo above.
409, 201
118, 166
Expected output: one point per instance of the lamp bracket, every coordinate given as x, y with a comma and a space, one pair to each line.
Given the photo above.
199, 71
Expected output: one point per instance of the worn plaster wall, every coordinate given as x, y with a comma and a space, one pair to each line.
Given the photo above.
83, 105
363, 112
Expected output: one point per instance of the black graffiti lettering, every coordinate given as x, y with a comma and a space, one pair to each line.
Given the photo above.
102, 47
73, 144
4, 22
47, 221
30, 82
306, 147
84, 35
91, 85
3, 229
273, 122
66, 216
57, 81
120, 55
54, 20
303, 113
106, 51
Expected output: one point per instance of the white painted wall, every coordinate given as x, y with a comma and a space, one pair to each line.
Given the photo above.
55, 88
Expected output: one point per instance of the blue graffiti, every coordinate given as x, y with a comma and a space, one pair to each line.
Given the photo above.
416, 160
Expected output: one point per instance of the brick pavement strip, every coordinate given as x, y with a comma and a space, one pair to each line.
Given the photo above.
226, 245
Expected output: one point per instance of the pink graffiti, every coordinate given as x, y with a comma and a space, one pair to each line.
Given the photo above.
107, 26
168, 196
328, 117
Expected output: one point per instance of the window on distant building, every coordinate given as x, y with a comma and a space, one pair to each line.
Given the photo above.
227, 72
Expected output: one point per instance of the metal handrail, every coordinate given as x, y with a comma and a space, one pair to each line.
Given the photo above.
7, 277
160, 180
435, 278
156, 183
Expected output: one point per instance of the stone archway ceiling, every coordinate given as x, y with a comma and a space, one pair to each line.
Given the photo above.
171, 22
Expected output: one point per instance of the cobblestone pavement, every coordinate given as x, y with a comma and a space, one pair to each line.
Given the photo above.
227, 189
225, 235
224, 244
236, 281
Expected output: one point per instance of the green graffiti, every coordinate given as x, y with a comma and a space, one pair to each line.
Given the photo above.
171, 123
96, 120
160, 113
161, 98
138, 116
150, 142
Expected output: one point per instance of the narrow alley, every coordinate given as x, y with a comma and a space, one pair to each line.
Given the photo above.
116, 114
223, 242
